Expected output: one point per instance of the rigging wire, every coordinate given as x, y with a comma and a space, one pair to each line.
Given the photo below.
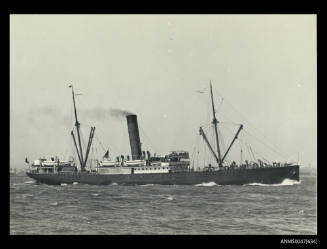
207, 156
245, 152
208, 108
71, 114
259, 155
220, 105
204, 126
222, 122
250, 123
202, 153
66, 153
101, 131
197, 160
247, 132
249, 152
113, 147
148, 139
241, 152
103, 148
253, 153
282, 156
198, 152
91, 157
250, 149
232, 133
82, 140
195, 149
221, 140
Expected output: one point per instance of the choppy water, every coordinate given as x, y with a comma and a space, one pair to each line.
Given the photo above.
287, 208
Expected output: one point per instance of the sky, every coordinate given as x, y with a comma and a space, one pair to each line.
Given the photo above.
263, 70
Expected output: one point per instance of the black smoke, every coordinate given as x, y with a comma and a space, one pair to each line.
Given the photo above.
119, 113
58, 117
101, 113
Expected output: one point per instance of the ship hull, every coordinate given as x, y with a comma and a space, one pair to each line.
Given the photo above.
272, 175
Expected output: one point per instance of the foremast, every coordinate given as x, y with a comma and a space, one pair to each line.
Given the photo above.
77, 125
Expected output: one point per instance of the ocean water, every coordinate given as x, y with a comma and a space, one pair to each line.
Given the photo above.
286, 208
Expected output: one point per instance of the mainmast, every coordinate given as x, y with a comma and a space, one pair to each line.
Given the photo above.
77, 124
215, 122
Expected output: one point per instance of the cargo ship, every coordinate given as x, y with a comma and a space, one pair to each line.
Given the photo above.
172, 169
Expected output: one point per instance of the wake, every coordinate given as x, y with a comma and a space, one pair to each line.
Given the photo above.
285, 182
206, 184
30, 182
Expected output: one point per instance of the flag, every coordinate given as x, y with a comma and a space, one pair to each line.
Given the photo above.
107, 154
26, 160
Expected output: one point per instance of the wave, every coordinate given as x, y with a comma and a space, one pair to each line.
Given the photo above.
74, 183
114, 184
27, 195
17, 184
63, 184
146, 185
96, 194
285, 182
54, 204
30, 182
170, 197
206, 184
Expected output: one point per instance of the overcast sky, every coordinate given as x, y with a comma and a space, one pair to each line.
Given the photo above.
262, 67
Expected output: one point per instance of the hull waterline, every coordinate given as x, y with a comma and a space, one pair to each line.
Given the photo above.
224, 177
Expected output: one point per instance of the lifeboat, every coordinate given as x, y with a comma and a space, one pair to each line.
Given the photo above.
135, 163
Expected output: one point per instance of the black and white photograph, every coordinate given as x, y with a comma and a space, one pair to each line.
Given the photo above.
163, 124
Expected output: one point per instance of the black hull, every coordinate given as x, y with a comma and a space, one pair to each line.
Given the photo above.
225, 177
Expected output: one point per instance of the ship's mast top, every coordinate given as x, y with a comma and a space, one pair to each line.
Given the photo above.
77, 124
215, 122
